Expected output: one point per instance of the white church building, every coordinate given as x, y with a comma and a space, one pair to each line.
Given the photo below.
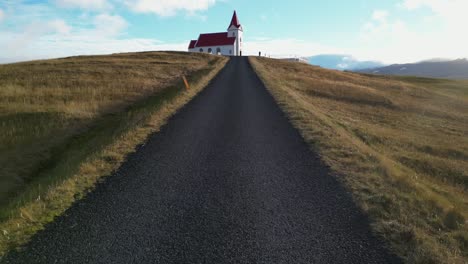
223, 43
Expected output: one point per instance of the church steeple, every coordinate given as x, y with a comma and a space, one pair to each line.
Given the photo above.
235, 31
235, 22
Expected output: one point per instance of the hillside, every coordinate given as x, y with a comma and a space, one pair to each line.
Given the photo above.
397, 143
456, 69
64, 123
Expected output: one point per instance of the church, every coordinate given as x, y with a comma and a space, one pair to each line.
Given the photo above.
223, 43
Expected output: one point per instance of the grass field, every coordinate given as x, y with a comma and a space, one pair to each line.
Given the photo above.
65, 123
399, 144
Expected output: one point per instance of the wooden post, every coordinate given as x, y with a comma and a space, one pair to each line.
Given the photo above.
187, 86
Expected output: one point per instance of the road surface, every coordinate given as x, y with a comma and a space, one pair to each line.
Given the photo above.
227, 180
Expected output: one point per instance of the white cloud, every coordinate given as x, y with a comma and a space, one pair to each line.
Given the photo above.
59, 26
385, 40
380, 15
84, 4
451, 12
13, 43
55, 38
108, 25
417, 37
169, 7
439, 6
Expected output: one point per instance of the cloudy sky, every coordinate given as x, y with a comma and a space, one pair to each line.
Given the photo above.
391, 31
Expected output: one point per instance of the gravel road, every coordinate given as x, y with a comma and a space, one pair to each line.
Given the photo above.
227, 180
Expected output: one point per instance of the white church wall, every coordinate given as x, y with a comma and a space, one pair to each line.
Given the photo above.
228, 50
239, 34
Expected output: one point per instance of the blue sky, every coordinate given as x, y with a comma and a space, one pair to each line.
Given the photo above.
391, 31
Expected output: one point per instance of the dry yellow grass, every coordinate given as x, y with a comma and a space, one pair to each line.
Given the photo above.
87, 114
45, 103
400, 145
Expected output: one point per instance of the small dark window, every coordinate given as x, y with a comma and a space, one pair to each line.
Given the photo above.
210, 50
218, 50
230, 51
201, 50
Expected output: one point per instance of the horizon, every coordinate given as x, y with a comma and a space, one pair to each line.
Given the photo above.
390, 32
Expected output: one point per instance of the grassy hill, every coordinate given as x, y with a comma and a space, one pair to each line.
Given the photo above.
399, 144
65, 123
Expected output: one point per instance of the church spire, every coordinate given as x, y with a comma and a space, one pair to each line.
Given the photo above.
234, 21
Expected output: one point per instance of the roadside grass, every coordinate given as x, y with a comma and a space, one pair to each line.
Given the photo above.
399, 144
67, 123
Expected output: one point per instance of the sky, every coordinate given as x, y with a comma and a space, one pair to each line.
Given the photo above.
389, 31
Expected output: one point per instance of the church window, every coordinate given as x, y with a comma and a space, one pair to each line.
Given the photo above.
210, 50
218, 50
201, 50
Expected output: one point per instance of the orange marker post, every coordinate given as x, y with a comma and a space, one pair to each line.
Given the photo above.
186, 83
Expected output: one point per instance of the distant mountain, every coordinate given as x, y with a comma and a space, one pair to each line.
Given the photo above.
455, 69
342, 62
436, 60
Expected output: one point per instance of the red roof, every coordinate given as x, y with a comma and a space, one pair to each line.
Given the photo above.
234, 21
192, 44
215, 39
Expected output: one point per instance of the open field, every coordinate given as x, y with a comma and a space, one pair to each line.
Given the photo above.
399, 144
65, 123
